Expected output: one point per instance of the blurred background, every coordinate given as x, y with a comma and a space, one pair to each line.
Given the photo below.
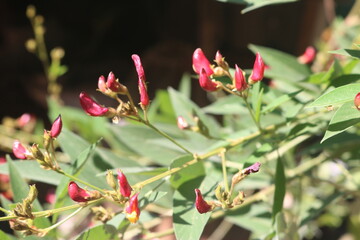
99, 37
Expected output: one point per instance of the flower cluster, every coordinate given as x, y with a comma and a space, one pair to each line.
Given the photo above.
111, 87
224, 198
208, 72
46, 159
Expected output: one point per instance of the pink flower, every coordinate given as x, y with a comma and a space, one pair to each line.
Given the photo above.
257, 73
252, 169
240, 82
76, 193
20, 151
50, 196
102, 84
200, 62
308, 56
91, 107
357, 101
144, 98
132, 211
24, 119
206, 83
112, 84
201, 205
56, 127
125, 188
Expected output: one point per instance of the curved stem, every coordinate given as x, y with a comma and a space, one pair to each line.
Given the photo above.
167, 136
79, 180
223, 163
251, 112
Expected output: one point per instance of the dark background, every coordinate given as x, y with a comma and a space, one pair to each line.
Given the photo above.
99, 37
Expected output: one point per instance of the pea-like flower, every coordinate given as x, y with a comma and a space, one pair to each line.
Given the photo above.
77, 193
132, 211
206, 83
20, 151
125, 188
257, 73
56, 127
240, 82
144, 98
201, 205
200, 62
91, 107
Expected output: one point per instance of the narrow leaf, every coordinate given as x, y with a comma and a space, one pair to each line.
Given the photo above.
280, 188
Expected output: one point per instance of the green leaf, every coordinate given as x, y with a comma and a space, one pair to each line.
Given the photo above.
185, 107
104, 231
32, 170
347, 52
4, 236
345, 79
278, 101
337, 96
194, 171
282, 65
188, 223
20, 191
280, 188
148, 143
185, 85
254, 4
314, 212
253, 217
345, 117
226, 105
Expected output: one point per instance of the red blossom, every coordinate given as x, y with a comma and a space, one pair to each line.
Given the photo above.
206, 83
91, 107
76, 193
144, 98
125, 188
240, 82
56, 127
201, 205
200, 62
257, 73
132, 211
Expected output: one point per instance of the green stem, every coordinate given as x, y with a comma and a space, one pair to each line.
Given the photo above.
252, 114
51, 212
223, 163
229, 145
46, 230
4, 210
166, 136
79, 180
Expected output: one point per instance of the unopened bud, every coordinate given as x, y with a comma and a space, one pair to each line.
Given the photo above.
357, 101
125, 188
30, 45
239, 199
57, 53
257, 73
47, 139
20, 151
30, 11
36, 152
240, 82
56, 127
110, 179
33, 193
220, 61
308, 56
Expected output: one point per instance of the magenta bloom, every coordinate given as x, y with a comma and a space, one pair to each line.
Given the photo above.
76, 193
308, 56
125, 188
111, 83
200, 62
56, 127
19, 150
257, 73
240, 82
253, 168
144, 98
132, 211
91, 107
201, 205
206, 83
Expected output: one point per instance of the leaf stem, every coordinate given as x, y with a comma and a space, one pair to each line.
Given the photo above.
223, 163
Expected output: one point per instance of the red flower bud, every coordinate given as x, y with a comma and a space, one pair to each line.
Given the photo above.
257, 73
206, 83
132, 211
200, 62
181, 123
218, 58
102, 84
112, 84
77, 194
91, 107
252, 169
357, 101
308, 56
144, 98
125, 188
240, 82
20, 151
56, 127
201, 205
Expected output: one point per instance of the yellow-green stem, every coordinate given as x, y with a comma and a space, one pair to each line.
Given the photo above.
223, 163
252, 114
79, 180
